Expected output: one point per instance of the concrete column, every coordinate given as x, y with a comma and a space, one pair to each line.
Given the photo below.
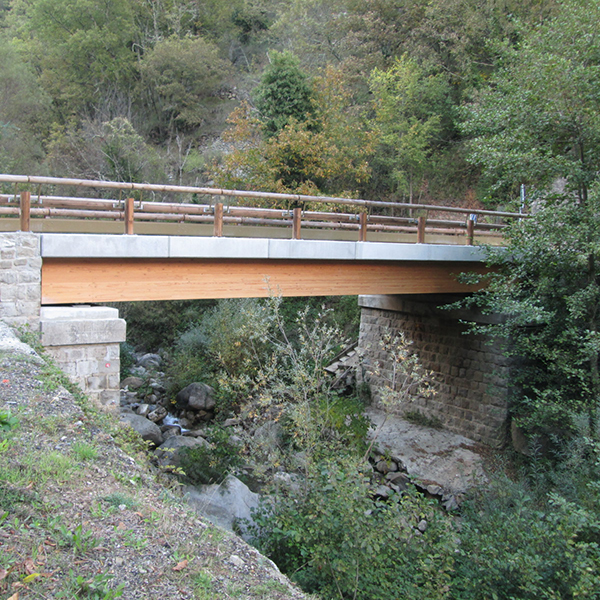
84, 341
470, 371
20, 278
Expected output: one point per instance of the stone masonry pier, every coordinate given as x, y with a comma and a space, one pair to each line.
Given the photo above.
470, 371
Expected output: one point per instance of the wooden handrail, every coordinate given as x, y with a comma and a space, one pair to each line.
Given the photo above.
29, 206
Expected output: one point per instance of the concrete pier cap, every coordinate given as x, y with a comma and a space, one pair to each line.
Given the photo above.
84, 341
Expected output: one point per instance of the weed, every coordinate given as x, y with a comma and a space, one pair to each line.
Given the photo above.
7, 420
418, 418
84, 451
203, 583
94, 588
81, 541
118, 500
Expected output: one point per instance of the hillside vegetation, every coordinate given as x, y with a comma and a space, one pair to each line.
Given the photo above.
382, 99
83, 515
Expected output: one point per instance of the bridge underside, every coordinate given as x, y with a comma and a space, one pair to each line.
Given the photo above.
94, 280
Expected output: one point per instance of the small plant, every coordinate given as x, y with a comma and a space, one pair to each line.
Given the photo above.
84, 451
118, 499
7, 420
94, 588
418, 418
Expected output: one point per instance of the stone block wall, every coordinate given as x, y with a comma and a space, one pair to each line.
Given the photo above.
84, 341
470, 372
20, 278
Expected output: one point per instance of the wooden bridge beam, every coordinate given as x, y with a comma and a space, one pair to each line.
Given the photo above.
66, 281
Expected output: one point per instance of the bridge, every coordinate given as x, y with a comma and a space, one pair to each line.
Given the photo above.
79, 242
186, 250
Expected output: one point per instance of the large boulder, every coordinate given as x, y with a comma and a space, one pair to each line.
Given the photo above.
197, 397
147, 429
223, 503
169, 452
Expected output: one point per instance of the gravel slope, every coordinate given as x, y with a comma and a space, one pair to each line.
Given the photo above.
83, 515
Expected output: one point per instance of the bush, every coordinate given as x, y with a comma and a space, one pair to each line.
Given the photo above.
332, 537
203, 465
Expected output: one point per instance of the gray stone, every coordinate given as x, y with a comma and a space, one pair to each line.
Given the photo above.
147, 429
132, 382
143, 409
197, 396
224, 503
422, 526
158, 414
150, 361
168, 453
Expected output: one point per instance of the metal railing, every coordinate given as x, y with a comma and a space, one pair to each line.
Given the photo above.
228, 207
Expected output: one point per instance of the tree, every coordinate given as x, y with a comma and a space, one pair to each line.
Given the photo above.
539, 120
84, 50
284, 93
23, 111
408, 105
183, 76
547, 287
327, 154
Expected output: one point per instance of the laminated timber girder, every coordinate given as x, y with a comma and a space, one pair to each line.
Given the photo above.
68, 280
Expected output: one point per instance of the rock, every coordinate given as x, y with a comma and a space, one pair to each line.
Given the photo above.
422, 526
385, 466
143, 410
434, 490
170, 431
197, 396
224, 503
147, 429
158, 414
231, 422
150, 361
168, 453
383, 491
132, 382
236, 561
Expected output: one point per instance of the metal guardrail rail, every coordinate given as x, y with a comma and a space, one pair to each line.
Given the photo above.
227, 207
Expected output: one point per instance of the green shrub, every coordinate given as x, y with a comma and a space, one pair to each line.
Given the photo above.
210, 464
512, 547
332, 537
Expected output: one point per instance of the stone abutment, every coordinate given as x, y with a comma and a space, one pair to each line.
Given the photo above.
470, 371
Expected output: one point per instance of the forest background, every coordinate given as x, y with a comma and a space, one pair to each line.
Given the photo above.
340, 97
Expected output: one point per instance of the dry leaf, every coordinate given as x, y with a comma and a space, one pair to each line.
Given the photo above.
181, 565
3, 573
29, 566
14, 597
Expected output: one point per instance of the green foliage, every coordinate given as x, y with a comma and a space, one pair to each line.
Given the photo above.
284, 94
212, 464
185, 74
7, 421
538, 121
408, 106
547, 287
512, 547
335, 539
23, 112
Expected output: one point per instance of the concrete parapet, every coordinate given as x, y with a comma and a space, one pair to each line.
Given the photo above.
470, 371
84, 341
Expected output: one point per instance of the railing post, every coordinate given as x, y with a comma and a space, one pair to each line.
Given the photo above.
296, 223
218, 231
25, 211
129, 216
421, 230
362, 232
470, 230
